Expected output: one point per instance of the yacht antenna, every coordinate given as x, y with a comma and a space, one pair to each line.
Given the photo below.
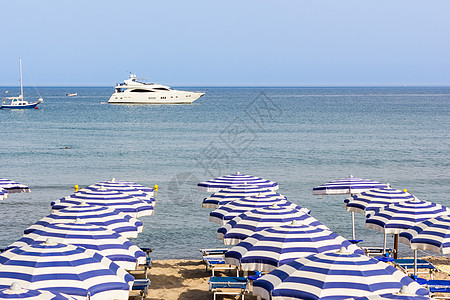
21, 85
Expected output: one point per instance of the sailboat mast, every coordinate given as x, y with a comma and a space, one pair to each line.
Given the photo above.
21, 86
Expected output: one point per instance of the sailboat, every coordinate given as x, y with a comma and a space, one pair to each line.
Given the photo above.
19, 102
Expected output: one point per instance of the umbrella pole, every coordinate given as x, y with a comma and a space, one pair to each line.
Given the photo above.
415, 262
353, 226
395, 246
384, 243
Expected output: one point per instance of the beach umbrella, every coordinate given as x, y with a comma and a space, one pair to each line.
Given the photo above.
399, 217
113, 199
67, 269
119, 184
432, 234
3, 194
15, 291
145, 194
270, 248
216, 184
234, 192
100, 239
335, 275
228, 211
249, 222
13, 187
102, 216
373, 200
350, 185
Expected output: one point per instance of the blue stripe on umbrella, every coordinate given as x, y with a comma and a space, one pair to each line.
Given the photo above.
216, 184
232, 193
373, 200
64, 269
125, 203
13, 187
432, 234
244, 225
350, 185
93, 214
333, 276
228, 211
106, 242
270, 248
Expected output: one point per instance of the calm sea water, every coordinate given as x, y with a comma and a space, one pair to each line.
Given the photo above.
299, 137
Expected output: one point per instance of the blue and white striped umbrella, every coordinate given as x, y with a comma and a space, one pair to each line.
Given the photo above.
270, 248
432, 234
102, 216
67, 269
246, 224
15, 291
373, 200
228, 211
106, 242
350, 185
232, 193
398, 217
396, 296
113, 199
126, 189
3, 194
216, 184
336, 275
119, 185
13, 187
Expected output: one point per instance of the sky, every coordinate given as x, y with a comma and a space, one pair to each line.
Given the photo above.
226, 43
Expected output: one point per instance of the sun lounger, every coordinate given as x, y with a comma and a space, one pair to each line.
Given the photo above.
209, 252
436, 286
376, 251
228, 286
407, 266
142, 286
217, 262
142, 268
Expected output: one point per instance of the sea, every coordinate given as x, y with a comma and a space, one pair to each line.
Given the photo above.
299, 137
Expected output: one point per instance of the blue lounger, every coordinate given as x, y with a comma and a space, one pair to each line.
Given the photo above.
407, 265
142, 286
228, 286
216, 262
209, 252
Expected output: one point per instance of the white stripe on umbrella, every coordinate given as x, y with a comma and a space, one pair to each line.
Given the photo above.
232, 193
67, 269
102, 216
106, 242
246, 224
228, 211
373, 200
336, 275
216, 184
113, 199
270, 248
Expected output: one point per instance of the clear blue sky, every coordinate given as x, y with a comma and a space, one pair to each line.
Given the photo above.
227, 43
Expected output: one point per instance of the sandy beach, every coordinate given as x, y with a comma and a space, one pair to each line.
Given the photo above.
188, 279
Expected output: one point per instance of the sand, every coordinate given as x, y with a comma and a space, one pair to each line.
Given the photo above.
188, 279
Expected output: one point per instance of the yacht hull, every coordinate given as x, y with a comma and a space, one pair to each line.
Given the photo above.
29, 106
155, 98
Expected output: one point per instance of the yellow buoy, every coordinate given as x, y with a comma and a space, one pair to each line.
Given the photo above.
405, 190
155, 187
76, 187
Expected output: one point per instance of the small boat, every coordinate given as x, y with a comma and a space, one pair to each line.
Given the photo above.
71, 94
138, 91
18, 102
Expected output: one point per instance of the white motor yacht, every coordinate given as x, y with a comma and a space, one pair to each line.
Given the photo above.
139, 91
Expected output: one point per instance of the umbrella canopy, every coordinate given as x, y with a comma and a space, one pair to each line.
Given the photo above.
125, 203
232, 193
270, 248
106, 242
119, 185
246, 224
13, 187
15, 291
216, 184
373, 200
67, 269
3, 194
398, 217
350, 185
228, 211
328, 275
403, 294
126, 189
102, 216
432, 234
